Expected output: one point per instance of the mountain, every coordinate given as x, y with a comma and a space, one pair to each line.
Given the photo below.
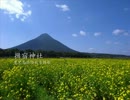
44, 42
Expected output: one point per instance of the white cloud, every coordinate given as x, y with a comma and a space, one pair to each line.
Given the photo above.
15, 7
83, 33
23, 18
74, 35
118, 31
97, 33
63, 7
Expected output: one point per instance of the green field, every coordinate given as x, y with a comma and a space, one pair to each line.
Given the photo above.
64, 79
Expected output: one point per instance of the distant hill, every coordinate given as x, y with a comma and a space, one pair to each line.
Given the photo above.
44, 42
103, 55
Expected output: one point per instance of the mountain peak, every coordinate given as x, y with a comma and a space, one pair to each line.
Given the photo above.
44, 36
44, 42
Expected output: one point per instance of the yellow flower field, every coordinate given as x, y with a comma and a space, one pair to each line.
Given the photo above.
64, 79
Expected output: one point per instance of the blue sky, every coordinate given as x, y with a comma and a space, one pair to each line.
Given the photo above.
95, 26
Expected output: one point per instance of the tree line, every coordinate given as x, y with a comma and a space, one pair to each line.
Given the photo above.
54, 54
45, 54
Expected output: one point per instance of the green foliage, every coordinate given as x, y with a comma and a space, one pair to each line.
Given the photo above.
65, 79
